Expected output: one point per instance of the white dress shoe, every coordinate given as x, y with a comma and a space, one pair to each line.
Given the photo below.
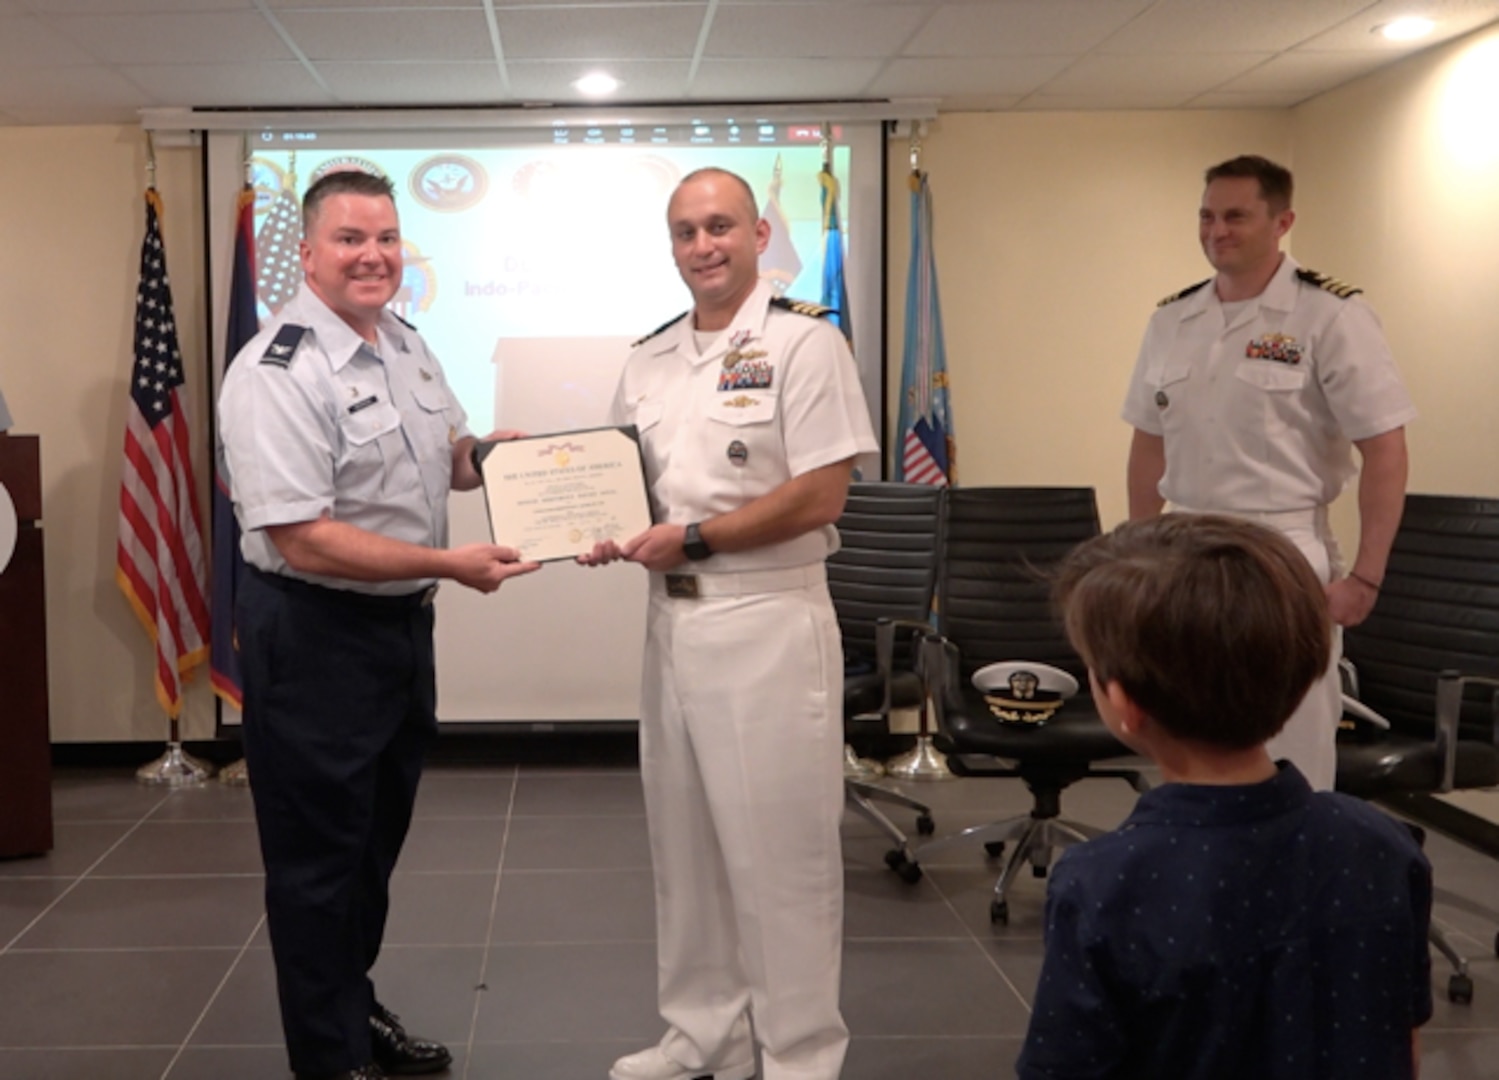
654, 1064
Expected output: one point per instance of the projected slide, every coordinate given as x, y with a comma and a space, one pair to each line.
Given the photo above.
531, 243
534, 257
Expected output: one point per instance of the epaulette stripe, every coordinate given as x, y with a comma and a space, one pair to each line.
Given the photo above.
668, 324
283, 346
1341, 289
1188, 291
801, 307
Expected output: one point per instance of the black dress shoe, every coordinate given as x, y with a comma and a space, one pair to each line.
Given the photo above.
400, 1054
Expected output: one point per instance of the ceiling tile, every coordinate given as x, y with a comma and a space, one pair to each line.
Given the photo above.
68, 87
1188, 26
472, 82
814, 30
1304, 72
1452, 18
1258, 99
979, 102
1145, 77
128, 7
196, 37
782, 80
644, 31
642, 80
435, 35
1009, 75
277, 84
26, 41
1020, 27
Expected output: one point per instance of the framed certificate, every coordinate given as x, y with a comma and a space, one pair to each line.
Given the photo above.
555, 496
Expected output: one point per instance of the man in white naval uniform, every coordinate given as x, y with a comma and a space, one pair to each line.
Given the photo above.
1248, 394
342, 441
750, 416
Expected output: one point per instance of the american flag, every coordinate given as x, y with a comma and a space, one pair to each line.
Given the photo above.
277, 252
159, 564
928, 449
780, 264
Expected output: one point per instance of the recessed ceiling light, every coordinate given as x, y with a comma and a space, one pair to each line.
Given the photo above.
1407, 28
596, 84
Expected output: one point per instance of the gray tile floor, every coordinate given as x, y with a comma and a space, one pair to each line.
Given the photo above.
521, 934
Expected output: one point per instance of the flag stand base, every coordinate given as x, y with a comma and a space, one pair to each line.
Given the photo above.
922, 762
175, 769
236, 774
858, 768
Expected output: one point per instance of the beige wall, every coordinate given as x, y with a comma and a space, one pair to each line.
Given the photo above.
1055, 235
71, 228
1399, 179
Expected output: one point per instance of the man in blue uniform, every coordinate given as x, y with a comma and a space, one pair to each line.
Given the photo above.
342, 440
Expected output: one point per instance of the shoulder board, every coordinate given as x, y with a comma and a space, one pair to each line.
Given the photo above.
801, 307
404, 322
1188, 291
664, 326
284, 345
1341, 289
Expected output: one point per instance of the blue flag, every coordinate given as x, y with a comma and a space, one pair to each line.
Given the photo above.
927, 452
228, 564
834, 288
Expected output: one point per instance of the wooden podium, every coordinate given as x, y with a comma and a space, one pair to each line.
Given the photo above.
25, 749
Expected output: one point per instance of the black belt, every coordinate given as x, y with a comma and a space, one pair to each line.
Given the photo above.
346, 597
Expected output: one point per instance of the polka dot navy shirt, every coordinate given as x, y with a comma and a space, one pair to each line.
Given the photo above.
1255, 931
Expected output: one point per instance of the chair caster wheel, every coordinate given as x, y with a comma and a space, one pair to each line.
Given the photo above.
906, 869
926, 826
1460, 990
994, 848
999, 912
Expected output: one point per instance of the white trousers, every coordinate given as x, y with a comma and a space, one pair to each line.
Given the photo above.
741, 739
1309, 739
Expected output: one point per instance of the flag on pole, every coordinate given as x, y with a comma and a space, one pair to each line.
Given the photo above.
279, 248
227, 561
834, 288
159, 561
928, 453
779, 263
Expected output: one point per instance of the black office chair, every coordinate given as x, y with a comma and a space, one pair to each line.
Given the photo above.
994, 604
881, 581
1425, 664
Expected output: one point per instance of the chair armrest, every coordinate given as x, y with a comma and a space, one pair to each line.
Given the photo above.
1450, 686
884, 649
1355, 707
1348, 677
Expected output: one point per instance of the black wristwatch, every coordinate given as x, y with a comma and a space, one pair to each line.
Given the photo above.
693, 544
474, 459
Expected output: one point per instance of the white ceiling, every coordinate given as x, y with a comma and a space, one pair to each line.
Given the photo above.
101, 61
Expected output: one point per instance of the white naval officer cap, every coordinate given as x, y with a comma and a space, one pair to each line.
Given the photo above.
1024, 691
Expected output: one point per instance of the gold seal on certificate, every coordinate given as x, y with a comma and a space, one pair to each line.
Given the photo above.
555, 496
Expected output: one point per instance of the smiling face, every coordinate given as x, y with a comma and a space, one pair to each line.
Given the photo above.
351, 257
716, 240
1239, 232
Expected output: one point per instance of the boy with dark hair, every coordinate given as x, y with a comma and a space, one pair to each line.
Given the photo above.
1237, 925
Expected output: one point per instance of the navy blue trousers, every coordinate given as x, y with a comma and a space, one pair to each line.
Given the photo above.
339, 706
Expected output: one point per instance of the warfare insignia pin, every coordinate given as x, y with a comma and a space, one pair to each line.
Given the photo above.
743, 401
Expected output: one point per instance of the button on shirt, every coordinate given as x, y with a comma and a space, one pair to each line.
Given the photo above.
1258, 410
717, 435
361, 432
1235, 933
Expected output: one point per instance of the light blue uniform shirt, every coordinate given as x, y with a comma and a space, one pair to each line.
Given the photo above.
361, 432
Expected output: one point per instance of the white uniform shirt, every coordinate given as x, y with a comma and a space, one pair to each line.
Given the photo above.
1258, 414
715, 437
341, 427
